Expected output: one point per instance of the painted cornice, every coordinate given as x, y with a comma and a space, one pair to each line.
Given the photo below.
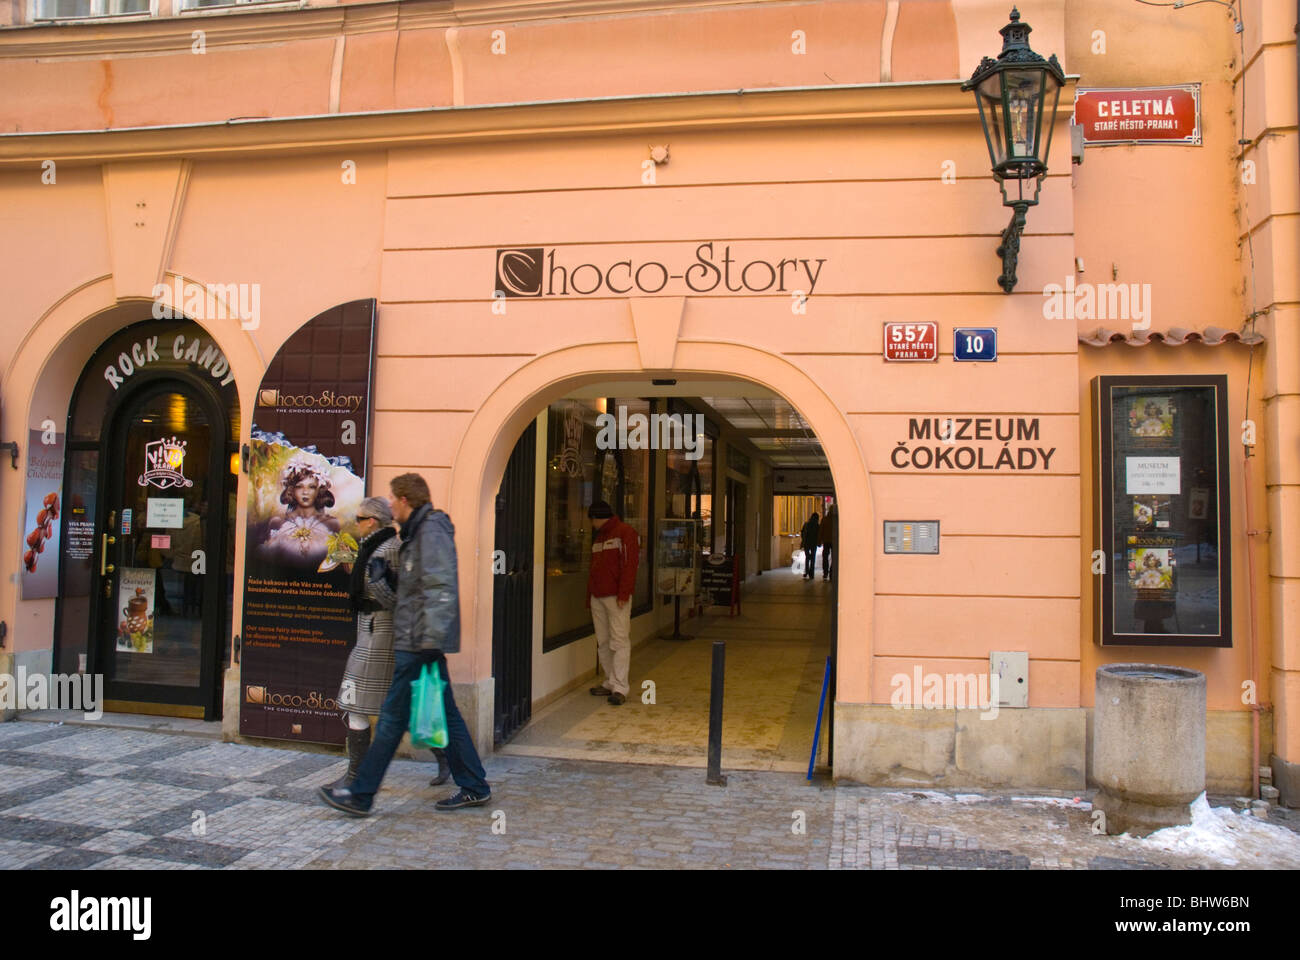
860, 104
247, 25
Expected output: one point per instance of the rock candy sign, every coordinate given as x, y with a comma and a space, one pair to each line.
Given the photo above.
1140, 114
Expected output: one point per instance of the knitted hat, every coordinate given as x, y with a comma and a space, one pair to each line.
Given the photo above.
378, 508
600, 510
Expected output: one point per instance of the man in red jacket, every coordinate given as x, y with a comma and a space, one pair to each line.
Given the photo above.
615, 551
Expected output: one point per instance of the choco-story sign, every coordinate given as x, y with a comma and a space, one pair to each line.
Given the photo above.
308, 456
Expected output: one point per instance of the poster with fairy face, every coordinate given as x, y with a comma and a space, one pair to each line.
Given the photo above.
302, 508
1151, 418
307, 455
1152, 568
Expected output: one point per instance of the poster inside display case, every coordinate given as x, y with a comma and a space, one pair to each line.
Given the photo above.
675, 562
1162, 511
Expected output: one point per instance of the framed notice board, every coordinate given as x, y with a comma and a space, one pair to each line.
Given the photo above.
1161, 509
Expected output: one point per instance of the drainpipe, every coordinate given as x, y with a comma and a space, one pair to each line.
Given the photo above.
1255, 707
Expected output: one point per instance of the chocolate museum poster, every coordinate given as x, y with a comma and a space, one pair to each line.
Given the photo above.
308, 455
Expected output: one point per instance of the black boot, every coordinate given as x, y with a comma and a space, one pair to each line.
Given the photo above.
358, 744
444, 771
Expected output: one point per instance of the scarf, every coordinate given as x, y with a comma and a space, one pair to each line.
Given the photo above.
357, 586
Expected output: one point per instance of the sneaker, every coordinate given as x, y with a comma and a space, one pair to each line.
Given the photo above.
463, 798
617, 699
600, 691
345, 800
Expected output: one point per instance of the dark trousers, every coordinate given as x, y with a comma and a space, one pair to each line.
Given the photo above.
826, 560
394, 719
810, 562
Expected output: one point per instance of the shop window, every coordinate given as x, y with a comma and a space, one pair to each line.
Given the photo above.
85, 9
1162, 511
578, 474
690, 485
202, 4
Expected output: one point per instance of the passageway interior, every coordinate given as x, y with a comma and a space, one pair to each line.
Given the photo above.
776, 656
746, 487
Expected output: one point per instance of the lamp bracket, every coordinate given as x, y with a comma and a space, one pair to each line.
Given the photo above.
1009, 251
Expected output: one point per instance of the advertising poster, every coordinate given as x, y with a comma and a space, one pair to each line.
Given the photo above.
1151, 418
1152, 569
675, 563
135, 600
307, 463
43, 502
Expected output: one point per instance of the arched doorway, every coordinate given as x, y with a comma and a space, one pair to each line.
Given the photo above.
146, 579
489, 440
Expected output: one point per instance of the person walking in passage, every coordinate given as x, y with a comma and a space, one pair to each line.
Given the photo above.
809, 536
426, 626
615, 552
827, 538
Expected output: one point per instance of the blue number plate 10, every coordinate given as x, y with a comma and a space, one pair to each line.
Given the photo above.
975, 343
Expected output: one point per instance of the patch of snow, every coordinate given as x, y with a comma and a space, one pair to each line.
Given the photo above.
1220, 834
1072, 803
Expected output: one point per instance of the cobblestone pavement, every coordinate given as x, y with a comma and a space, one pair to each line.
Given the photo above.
95, 798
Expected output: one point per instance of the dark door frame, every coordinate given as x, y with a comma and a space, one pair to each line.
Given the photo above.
512, 591
208, 694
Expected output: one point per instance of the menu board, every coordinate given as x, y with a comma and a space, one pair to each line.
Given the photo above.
1162, 511
717, 580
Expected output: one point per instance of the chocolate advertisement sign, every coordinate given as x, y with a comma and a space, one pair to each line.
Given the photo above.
43, 496
308, 456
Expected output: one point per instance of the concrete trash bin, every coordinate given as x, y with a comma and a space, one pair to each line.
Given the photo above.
1148, 754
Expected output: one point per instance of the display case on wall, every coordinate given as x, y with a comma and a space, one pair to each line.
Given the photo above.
1161, 511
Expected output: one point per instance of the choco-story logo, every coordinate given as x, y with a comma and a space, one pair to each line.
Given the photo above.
538, 272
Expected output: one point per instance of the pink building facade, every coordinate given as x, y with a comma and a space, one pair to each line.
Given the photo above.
824, 175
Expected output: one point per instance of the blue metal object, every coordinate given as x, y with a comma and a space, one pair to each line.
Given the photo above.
826, 681
975, 343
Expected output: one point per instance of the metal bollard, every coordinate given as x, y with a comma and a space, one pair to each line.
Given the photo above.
715, 776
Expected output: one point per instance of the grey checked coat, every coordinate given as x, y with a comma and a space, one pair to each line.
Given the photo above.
369, 671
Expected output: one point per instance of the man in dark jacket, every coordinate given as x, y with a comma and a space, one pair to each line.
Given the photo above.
426, 625
615, 552
809, 536
827, 538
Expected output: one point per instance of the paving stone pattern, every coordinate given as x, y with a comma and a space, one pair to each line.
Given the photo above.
76, 797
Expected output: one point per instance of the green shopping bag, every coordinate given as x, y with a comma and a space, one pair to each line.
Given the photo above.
428, 718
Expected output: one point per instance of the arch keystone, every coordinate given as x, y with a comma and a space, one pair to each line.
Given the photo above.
657, 322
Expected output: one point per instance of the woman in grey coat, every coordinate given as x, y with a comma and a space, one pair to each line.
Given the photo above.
369, 669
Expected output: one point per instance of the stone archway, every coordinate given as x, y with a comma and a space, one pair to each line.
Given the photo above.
485, 448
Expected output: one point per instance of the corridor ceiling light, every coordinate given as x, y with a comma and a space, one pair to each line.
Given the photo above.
1011, 93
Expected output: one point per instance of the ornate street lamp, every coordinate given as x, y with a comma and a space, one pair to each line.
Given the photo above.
1012, 93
